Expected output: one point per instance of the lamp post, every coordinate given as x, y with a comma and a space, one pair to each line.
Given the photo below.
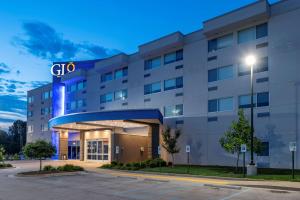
251, 169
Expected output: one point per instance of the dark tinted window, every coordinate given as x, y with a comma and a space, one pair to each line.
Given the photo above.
212, 75
213, 105
262, 99
212, 45
261, 30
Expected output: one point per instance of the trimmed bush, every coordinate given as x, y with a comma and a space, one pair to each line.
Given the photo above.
150, 163
49, 168
70, 168
4, 165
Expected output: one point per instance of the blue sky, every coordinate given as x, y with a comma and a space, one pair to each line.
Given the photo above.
35, 33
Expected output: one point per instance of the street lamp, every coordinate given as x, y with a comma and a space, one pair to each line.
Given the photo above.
250, 61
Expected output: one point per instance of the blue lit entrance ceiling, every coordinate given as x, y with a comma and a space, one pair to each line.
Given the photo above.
107, 119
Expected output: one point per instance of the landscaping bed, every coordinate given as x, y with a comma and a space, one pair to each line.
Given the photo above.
48, 170
5, 165
151, 163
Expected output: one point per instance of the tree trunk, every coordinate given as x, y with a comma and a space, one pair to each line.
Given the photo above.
40, 164
237, 162
172, 160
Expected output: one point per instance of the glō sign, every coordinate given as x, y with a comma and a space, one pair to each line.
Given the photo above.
60, 69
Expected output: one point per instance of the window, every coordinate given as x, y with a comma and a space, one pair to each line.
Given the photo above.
81, 103
259, 100
261, 30
172, 111
30, 129
30, 113
30, 99
106, 77
121, 73
221, 73
50, 93
219, 105
253, 33
264, 149
173, 83
121, 95
261, 66
262, 99
152, 63
71, 87
246, 35
174, 56
220, 43
106, 98
45, 95
152, 88
45, 111
73, 105
81, 85
245, 101
44, 127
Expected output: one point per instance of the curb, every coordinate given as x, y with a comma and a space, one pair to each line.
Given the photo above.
224, 186
51, 174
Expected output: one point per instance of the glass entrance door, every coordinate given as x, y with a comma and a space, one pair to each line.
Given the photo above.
97, 150
74, 150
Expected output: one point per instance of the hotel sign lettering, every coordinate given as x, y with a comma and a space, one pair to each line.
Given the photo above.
60, 69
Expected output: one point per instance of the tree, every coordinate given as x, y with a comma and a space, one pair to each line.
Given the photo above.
2, 154
39, 150
170, 142
16, 137
239, 133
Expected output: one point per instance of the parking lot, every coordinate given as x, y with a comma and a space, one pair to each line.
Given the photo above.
91, 185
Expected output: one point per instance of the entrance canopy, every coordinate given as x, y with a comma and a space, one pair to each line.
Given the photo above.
107, 120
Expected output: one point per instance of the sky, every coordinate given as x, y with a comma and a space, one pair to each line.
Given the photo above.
35, 33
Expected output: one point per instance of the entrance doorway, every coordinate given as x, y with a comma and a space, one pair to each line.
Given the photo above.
74, 150
97, 150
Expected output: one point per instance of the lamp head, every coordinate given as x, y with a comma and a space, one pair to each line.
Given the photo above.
250, 60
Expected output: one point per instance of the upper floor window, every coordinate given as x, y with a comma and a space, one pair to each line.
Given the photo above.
260, 99
152, 88
45, 111
106, 77
173, 83
44, 127
46, 95
261, 66
174, 110
71, 87
81, 85
121, 94
221, 73
106, 97
219, 105
29, 128
174, 56
121, 73
30, 99
253, 33
30, 113
220, 43
81, 103
152, 63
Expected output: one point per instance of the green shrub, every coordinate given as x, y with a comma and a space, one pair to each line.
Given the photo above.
70, 168
4, 165
114, 163
16, 157
106, 166
49, 168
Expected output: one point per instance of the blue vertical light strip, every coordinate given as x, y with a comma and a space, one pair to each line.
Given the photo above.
58, 107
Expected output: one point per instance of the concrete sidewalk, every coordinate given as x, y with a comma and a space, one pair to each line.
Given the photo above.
276, 185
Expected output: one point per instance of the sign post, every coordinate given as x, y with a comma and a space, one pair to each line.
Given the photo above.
244, 150
158, 152
293, 149
188, 150
117, 152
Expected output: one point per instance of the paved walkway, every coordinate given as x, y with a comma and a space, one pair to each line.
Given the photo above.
93, 167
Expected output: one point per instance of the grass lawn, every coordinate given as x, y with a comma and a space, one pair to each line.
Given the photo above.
263, 174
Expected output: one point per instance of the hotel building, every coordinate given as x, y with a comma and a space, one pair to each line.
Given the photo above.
115, 108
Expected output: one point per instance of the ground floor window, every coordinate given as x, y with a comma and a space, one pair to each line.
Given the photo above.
97, 149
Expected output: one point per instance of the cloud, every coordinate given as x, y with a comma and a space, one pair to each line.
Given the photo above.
42, 41
4, 69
